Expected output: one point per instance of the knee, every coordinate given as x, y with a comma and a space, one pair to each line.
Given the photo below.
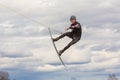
76, 40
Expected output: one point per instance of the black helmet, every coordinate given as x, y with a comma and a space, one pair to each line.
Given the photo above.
72, 18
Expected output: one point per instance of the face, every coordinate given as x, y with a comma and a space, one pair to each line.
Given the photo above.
73, 21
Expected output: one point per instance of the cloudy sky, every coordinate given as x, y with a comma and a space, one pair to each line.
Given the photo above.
26, 51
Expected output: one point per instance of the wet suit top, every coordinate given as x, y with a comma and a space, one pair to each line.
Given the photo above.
76, 29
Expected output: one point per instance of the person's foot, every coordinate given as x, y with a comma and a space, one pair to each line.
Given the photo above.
55, 39
60, 52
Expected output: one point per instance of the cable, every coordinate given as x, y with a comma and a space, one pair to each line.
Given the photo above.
35, 21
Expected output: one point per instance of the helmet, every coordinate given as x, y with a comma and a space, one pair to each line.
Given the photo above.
72, 18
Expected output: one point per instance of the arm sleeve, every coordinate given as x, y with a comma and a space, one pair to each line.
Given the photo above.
75, 26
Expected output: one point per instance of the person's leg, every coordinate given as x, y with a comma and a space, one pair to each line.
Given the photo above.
69, 45
61, 36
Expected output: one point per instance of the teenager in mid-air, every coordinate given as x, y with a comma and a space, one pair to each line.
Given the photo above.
75, 34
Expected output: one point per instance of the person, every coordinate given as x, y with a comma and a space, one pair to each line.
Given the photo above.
75, 34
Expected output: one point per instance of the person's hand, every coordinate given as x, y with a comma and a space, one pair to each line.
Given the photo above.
67, 29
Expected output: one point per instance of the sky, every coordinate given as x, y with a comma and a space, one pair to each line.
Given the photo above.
26, 50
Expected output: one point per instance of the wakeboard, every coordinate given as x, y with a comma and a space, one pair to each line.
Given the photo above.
54, 45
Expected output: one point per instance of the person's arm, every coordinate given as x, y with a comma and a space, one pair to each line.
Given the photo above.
67, 29
75, 26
